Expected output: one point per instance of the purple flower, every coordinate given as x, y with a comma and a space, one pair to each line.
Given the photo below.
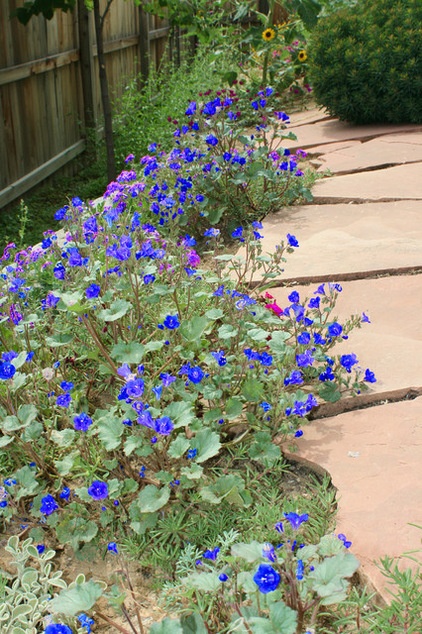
82, 422
269, 552
134, 388
348, 361
98, 490
167, 379
59, 271
92, 291
48, 505
163, 426
266, 578
365, 319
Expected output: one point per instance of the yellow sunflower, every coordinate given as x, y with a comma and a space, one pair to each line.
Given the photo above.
268, 35
302, 57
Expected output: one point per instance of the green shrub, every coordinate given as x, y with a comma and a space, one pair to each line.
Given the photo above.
366, 62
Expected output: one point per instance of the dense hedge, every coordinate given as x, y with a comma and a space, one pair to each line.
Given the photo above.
366, 62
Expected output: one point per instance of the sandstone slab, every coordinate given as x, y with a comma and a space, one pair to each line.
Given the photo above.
348, 238
391, 345
374, 459
402, 182
333, 131
306, 117
390, 150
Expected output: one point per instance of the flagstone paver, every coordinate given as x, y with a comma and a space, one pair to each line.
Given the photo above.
332, 130
391, 345
346, 238
366, 222
374, 458
402, 182
308, 116
384, 151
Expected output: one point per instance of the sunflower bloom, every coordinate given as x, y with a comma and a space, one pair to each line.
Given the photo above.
268, 35
302, 57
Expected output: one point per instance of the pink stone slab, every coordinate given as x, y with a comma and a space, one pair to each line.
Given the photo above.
393, 183
391, 345
375, 153
332, 147
374, 458
333, 131
306, 117
348, 238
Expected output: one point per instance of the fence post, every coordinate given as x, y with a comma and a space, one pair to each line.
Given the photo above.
144, 43
86, 66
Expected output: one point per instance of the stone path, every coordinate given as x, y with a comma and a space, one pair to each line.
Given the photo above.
364, 230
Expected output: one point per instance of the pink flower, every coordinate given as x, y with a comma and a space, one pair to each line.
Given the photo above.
275, 308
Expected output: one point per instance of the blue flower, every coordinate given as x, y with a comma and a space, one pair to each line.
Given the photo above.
268, 552
211, 140
223, 577
295, 378
304, 338
369, 376
40, 548
365, 319
265, 406
65, 493
7, 371
58, 628
219, 357
67, 386
149, 279
298, 433
163, 426
191, 109
212, 233
334, 330
98, 490
92, 291
195, 374
135, 388
167, 379
211, 554
348, 361
266, 578
342, 538
112, 547
314, 303
171, 322
293, 297
295, 519
305, 359
82, 422
292, 240
63, 400
48, 505
238, 234
300, 570
191, 454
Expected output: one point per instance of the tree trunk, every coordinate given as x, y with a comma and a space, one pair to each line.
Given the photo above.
105, 97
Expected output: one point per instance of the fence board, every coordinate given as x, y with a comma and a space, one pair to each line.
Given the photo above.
42, 108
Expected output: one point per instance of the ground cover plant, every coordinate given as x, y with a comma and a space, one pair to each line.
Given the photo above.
131, 374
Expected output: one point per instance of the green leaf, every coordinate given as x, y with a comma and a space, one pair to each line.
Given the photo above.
166, 626
71, 301
234, 407
5, 440
118, 309
214, 313
226, 331
193, 472
76, 530
64, 467
206, 581
283, 618
207, 443
278, 340
63, 438
178, 447
229, 488
253, 390
328, 577
151, 498
59, 340
251, 551
329, 392
128, 352
180, 412
193, 329
258, 334
80, 598
110, 431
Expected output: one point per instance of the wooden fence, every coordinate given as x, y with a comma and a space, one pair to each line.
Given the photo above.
45, 98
